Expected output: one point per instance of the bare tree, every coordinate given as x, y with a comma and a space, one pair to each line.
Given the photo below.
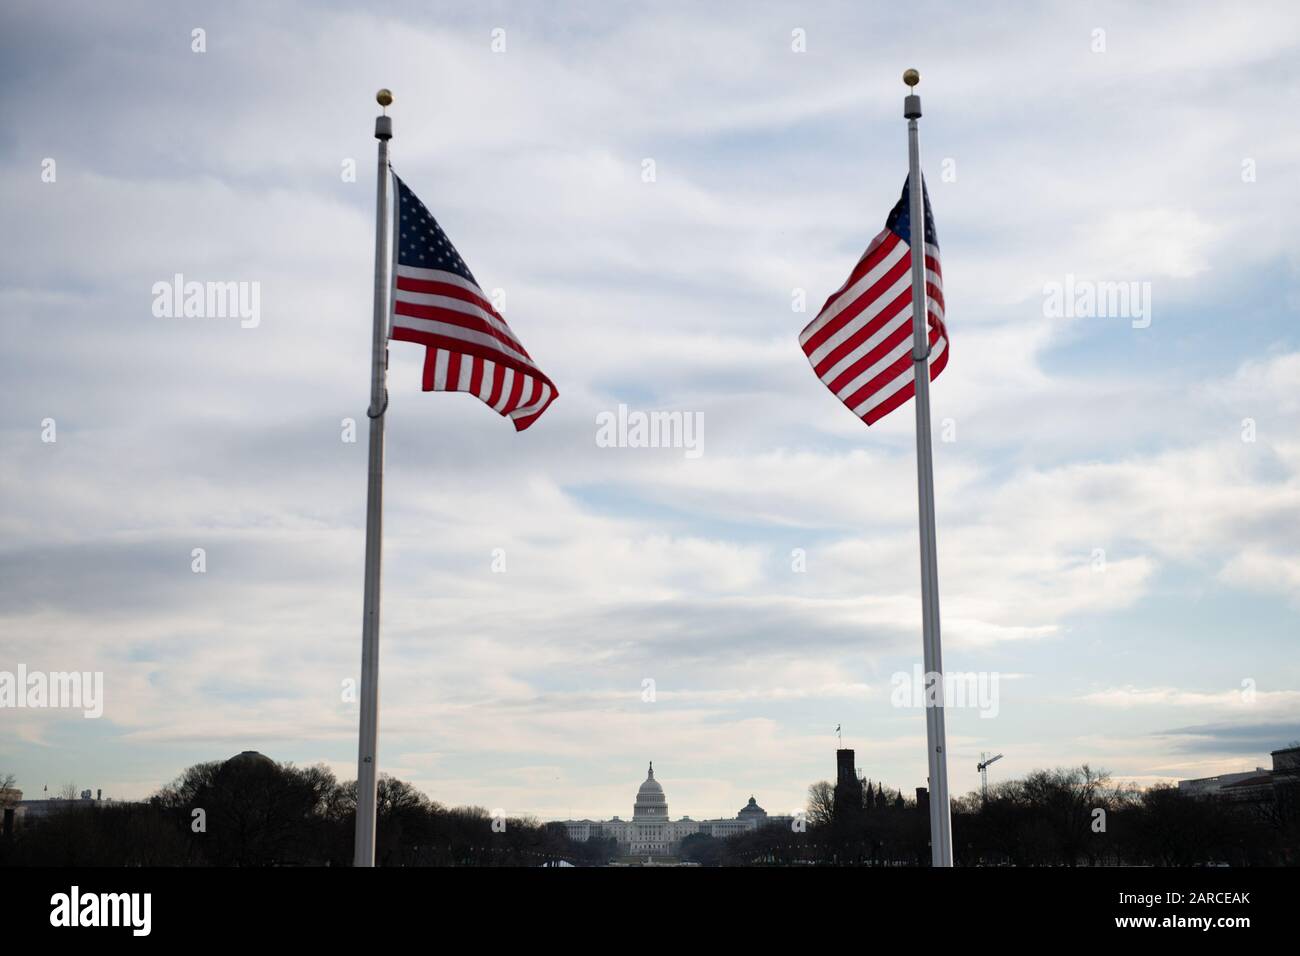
821, 803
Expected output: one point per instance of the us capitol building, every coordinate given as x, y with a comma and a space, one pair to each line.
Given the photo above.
651, 833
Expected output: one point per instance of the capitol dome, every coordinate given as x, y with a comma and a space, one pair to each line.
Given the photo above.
651, 785
651, 804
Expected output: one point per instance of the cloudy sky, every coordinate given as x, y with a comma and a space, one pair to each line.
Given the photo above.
1119, 533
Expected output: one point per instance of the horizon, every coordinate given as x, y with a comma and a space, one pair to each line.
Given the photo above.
908, 794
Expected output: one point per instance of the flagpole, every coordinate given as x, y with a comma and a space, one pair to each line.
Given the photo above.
936, 737
368, 736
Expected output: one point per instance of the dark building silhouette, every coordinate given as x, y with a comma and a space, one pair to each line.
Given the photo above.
846, 774
848, 788
1286, 763
10, 799
247, 759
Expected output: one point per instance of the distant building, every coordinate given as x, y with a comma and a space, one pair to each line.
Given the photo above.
752, 811
29, 811
1250, 786
1207, 786
10, 798
848, 787
1286, 762
651, 833
250, 760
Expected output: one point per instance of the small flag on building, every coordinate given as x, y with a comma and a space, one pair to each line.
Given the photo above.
438, 304
860, 344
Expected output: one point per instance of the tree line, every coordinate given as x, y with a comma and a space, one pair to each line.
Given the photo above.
237, 813
1063, 817
259, 813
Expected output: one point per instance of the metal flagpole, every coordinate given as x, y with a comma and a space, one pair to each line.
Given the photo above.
936, 738
368, 742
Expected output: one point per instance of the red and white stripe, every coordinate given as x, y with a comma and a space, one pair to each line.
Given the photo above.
860, 343
469, 346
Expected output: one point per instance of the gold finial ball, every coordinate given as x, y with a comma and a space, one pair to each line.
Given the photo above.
384, 98
911, 77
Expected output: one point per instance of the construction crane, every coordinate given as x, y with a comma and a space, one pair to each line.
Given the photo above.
983, 768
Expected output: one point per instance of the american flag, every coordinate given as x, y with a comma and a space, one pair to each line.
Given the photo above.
438, 304
860, 344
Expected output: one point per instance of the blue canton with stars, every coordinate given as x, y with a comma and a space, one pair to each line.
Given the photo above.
900, 218
421, 242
